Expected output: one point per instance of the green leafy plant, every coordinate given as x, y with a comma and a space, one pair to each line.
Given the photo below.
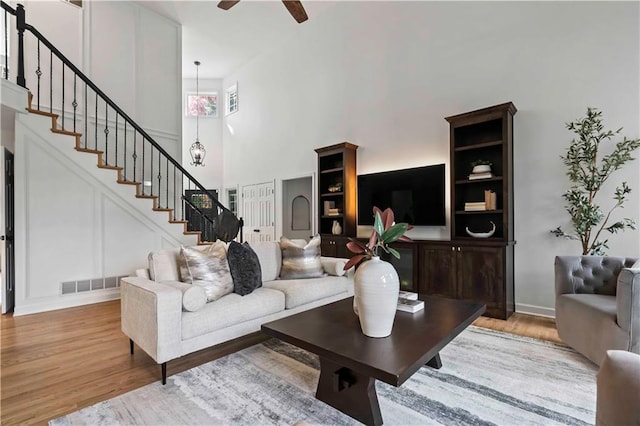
384, 233
588, 174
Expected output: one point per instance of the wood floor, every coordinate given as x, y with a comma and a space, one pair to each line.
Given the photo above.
57, 362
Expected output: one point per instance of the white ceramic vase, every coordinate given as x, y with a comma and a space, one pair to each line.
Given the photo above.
376, 288
336, 229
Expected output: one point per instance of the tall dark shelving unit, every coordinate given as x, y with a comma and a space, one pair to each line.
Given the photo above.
480, 269
337, 165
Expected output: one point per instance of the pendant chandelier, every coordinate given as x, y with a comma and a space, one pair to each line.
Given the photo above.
197, 150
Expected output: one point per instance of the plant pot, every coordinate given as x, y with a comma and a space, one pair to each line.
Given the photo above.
376, 288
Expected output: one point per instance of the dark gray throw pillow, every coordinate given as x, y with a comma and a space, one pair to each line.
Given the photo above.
245, 268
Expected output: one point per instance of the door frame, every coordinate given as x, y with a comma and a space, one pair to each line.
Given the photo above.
313, 201
7, 263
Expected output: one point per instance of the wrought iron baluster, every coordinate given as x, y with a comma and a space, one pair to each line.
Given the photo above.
135, 156
50, 81
174, 192
96, 123
62, 107
39, 74
151, 174
75, 102
116, 139
182, 197
159, 180
142, 167
124, 166
167, 186
86, 116
106, 134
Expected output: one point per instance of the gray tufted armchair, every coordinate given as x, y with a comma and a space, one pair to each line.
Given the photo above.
598, 304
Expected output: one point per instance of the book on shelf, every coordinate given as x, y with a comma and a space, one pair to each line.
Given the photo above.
409, 295
483, 175
490, 199
328, 205
333, 212
475, 206
412, 306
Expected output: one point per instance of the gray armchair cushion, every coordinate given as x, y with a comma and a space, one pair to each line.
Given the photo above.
589, 274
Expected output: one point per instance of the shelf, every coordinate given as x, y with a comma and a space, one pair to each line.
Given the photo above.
332, 216
478, 145
468, 238
466, 181
480, 212
335, 169
332, 194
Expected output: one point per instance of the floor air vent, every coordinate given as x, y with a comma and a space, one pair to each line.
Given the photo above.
80, 286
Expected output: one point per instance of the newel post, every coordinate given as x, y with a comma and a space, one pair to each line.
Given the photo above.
20, 26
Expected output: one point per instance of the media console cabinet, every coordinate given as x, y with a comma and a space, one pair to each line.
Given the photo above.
465, 267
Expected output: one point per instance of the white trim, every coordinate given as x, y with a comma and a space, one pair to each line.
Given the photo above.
14, 96
541, 311
34, 306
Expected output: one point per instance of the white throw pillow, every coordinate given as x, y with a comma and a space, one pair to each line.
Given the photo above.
194, 297
333, 266
300, 261
209, 270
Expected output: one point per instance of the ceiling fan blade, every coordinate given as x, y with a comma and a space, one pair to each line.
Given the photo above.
227, 4
296, 10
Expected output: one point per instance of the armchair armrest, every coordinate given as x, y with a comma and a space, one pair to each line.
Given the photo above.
151, 315
563, 274
628, 306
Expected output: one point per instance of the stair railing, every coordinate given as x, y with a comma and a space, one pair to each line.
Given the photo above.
103, 128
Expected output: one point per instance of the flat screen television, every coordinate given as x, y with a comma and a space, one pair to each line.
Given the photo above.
415, 195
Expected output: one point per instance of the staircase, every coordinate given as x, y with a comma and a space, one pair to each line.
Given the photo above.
100, 127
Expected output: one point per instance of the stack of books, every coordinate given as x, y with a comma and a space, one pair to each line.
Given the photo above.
408, 302
482, 175
333, 212
490, 199
479, 206
328, 205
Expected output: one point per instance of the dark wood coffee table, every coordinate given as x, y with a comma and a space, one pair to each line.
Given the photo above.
350, 362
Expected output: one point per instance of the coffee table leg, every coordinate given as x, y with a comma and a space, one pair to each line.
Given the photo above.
350, 392
435, 362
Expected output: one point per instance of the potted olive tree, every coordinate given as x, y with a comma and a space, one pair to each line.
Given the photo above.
587, 173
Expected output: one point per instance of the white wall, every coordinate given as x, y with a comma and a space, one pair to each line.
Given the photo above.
383, 75
210, 134
134, 56
74, 222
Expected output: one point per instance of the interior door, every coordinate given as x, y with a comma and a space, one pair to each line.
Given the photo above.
8, 296
258, 211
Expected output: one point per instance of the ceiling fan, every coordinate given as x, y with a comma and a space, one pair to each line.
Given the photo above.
294, 7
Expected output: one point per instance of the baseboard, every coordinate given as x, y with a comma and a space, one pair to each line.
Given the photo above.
523, 308
66, 301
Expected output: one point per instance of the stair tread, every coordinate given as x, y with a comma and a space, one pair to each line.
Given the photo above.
129, 182
89, 150
160, 209
106, 166
46, 114
178, 221
66, 132
191, 232
145, 196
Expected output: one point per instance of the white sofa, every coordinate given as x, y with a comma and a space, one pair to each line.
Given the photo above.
154, 319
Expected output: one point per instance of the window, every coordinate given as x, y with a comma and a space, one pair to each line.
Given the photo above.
232, 200
231, 99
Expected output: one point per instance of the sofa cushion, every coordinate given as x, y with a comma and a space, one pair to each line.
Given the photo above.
245, 268
209, 270
163, 265
194, 297
300, 261
333, 265
270, 258
302, 291
231, 309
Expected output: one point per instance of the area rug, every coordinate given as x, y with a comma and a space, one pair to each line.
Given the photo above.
487, 377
